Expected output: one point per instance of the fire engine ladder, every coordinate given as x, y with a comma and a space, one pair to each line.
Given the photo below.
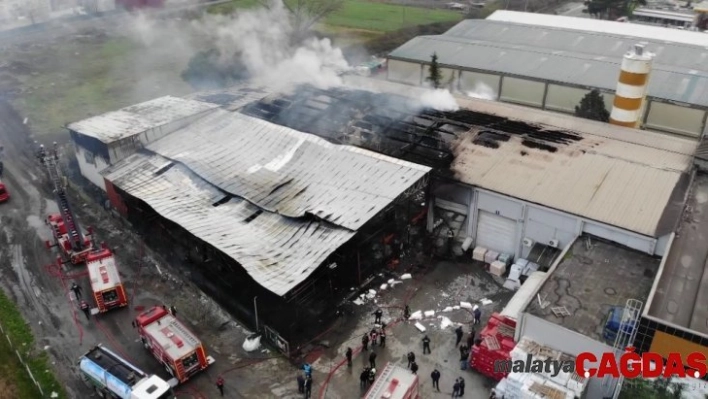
51, 163
99, 301
380, 384
626, 333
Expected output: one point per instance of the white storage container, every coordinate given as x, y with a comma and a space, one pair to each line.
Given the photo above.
479, 253
515, 272
497, 268
506, 258
491, 256
522, 262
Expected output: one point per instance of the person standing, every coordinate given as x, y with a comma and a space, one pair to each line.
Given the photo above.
426, 344
464, 357
372, 360
365, 342
477, 314
300, 383
349, 357
462, 386
377, 316
308, 387
372, 375
374, 337
414, 368
406, 313
456, 389
220, 385
470, 339
173, 311
411, 359
77, 290
364, 377
382, 338
435, 375
458, 334
86, 310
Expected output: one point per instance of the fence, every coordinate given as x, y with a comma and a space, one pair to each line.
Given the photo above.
22, 361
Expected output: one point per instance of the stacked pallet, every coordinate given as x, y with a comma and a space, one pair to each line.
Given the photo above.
497, 341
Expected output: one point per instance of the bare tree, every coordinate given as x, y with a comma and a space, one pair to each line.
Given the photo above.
306, 13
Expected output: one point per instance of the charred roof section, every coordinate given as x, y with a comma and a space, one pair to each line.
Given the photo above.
395, 125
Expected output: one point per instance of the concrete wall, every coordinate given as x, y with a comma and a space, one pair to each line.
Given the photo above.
562, 339
91, 166
675, 119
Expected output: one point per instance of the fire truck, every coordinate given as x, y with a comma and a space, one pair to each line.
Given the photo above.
72, 243
4, 195
108, 290
394, 382
113, 377
179, 351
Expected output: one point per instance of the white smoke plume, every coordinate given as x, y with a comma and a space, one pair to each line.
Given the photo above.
262, 40
483, 92
439, 99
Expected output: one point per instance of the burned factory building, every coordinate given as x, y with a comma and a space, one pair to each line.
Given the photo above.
279, 225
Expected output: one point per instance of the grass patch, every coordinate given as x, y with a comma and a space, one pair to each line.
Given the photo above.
364, 15
73, 80
14, 380
386, 17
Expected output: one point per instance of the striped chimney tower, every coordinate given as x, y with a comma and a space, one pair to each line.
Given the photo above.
631, 92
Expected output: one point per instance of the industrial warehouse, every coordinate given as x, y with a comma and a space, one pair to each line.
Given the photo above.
551, 62
290, 203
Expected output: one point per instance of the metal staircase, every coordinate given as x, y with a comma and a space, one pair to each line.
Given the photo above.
626, 334
99, 302
50, 160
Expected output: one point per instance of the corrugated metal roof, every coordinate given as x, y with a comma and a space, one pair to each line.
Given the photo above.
617, 182
234, 97
666, 82
662, 34
277, 251
289, 172
138, 118
608, 46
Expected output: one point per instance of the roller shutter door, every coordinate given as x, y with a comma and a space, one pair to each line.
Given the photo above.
496, 233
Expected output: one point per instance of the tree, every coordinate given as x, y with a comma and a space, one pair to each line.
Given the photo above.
592, 106
305, 13
612, 9
434, 76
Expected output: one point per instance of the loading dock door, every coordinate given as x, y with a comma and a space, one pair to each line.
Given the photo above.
496, 233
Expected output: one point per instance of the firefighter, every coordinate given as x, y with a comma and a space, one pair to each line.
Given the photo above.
372, 376
86, 310
470, 339
364, 377
77, 290
426, 344
220, 385
300, 383
462, 386
308, 387
477, 314
458, 334
411, 359
349, 357
173, 311
377, 316
414, 368
382, 338
372, 360
374, 337
435, 375
365, 341
406, 313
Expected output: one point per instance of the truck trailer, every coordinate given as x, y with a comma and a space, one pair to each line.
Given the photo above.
171, 343
394, 382
108, 290
114, 377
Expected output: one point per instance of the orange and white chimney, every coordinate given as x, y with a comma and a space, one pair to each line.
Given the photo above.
630, 96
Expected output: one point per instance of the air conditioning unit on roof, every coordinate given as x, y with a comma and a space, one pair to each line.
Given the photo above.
553, 243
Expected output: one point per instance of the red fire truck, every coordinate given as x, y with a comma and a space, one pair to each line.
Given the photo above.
73, 244
394, 382
4, 195
179, 351
108, 290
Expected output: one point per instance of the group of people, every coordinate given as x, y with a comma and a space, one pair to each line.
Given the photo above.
304, 381
367, 376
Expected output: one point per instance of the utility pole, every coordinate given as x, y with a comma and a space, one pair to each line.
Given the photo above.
255, 308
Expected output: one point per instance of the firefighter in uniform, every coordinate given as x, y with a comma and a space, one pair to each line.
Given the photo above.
86, 310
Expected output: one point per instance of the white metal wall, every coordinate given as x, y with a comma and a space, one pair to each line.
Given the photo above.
496, 233
675, 119
634, 241
404, 72
543, 225
482, 85
522, 91
91, 171
565, 99
562, 339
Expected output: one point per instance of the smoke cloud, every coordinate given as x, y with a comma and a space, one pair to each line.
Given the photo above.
439, 99
260, 40
483, 92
